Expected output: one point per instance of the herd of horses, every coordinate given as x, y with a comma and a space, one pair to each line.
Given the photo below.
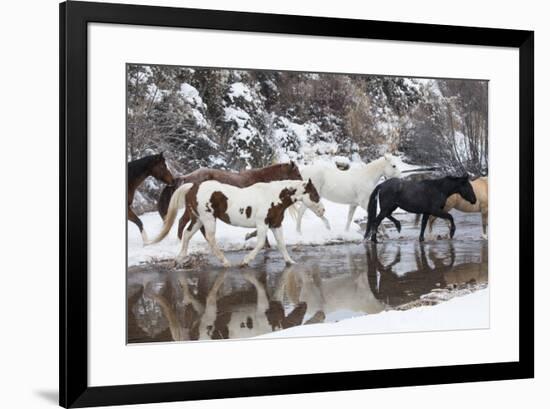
259, 198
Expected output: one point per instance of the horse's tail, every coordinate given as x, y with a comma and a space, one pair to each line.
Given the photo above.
176, 202
371, 209
164, 200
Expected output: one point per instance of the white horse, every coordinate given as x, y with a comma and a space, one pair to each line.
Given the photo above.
352, 187
261, 205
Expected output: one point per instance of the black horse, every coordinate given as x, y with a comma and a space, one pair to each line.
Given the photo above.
426, 197
138, 171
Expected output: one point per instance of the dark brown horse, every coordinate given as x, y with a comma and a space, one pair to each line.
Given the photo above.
282, 171
138, 171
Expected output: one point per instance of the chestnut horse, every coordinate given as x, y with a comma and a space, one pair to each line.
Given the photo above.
246, 178
138, 171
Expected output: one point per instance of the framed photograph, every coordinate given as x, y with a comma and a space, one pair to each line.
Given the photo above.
256, 204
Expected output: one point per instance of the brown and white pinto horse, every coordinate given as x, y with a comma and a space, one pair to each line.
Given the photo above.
138, 171
281, 171
261, 205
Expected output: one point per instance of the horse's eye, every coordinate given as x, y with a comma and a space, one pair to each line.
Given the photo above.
394, 166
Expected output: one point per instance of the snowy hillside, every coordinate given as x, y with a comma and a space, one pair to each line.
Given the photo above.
241, 119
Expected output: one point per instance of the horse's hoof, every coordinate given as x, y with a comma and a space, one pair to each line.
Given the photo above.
182, 262
244, 263
484, 236
290, 261
421, 239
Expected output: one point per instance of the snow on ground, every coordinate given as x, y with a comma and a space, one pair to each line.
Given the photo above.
460, 313
232, 238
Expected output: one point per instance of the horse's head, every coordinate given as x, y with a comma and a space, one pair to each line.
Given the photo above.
312, 199
291, 171
160, 171
390, 169
465, 189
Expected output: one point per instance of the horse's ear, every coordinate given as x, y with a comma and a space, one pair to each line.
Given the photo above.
387, 156
292, 164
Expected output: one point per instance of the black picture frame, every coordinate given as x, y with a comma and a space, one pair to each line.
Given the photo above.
73, 350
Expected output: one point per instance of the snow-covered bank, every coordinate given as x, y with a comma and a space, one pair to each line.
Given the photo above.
460, 313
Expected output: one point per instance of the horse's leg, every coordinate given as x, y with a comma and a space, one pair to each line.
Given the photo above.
396, 222
262, 234
250, 235
184, 219
383, 231
425, 218
381, 216
211, 305
431, 221
484, 219
187, 234
210, 233
133, 218
446, 216
351, 211
262, 302
325, 222
189, 297
278, 233
254, 234
301, 212
284, 284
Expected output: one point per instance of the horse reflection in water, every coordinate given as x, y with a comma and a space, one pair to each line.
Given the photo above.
167, 305
432, 271
325, 296
218, 313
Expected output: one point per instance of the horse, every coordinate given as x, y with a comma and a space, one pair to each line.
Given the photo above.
430, 271
138, 171
481, 190
261, 205
221, 312
324, 296
427, 197
248, 313
352, 187
281, 171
